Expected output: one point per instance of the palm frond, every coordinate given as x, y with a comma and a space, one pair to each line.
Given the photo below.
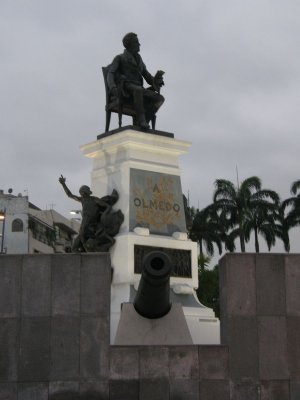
295, 187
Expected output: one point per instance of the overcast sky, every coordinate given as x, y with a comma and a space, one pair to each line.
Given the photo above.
232, 88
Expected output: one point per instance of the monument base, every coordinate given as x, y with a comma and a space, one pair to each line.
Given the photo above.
144, 168
134, 329
203, 326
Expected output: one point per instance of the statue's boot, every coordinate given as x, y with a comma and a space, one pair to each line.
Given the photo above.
140, 120
142, 123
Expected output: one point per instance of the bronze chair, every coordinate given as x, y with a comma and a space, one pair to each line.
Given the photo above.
121, 105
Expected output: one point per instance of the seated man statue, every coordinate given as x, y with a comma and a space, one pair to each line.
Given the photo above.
125, 76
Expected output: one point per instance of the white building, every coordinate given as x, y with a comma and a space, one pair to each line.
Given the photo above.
25, 228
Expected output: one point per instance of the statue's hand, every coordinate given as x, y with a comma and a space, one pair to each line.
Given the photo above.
158, 81
62, 180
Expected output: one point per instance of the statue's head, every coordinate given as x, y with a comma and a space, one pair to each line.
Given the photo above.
131, 42
85, 191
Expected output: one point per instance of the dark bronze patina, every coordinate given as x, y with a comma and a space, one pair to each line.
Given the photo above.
124, 82
153, 296
99, 223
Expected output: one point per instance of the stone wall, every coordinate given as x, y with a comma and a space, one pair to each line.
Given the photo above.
54, 335
260, 323
54, 326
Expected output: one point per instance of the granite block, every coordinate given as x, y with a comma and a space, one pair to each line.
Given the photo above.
10, 286
124, 363
243, 347
36, 285
8, 391
95, 285
60, 390
244, 390
240, 285
33, 391
94, 390
293, 347
273, 363
34, 358
184, 389
124, 390
275, 390
270, 284
64, 348
214, 390
94, 348
66, 285
9, 349
156, 388
292, 263
183, 362
294, 390
224, 330
154, 362
223, 286
213, 362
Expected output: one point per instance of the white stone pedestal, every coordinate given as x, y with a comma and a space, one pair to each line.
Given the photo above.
143, 168
136, 330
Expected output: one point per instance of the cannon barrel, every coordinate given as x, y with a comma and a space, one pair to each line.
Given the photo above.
153, 296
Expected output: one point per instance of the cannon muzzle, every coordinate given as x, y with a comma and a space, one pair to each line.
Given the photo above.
153, 296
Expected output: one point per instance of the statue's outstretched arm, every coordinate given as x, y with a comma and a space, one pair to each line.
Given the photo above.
68, 192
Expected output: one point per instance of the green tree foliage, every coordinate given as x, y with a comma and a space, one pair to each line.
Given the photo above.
283, 225
246, 208
206, 231
208, 290
260, 218
293, 205
237, 212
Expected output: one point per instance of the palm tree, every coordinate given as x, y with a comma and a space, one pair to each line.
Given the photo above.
293, 215
238, 204
206, 231
260, 218
294, 188
283, 225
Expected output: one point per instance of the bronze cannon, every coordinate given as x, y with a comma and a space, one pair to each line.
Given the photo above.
153, 296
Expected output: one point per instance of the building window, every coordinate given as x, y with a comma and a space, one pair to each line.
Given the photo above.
17, 225
42, 232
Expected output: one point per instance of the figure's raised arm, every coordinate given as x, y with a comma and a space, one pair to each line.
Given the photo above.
62, 181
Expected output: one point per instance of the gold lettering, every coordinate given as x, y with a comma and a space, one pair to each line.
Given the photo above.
137, 202
155, 189
153, 204
168, 206
176, 208
161, 206
144, 204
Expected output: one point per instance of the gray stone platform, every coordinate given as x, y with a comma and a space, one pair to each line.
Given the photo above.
54, 335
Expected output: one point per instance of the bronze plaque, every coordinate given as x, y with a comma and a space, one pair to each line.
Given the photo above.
156, 202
